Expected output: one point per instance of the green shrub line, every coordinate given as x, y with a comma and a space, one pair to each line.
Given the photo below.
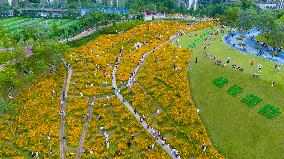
269, 111
235, 90
220, 81
251, 100
198, 40
115, 29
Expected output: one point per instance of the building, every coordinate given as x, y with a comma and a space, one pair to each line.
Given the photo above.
270, 4
192, 4
280, 4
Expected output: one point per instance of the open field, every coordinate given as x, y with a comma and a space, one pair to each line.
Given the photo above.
238, 131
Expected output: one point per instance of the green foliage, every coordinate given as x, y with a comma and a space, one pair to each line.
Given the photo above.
214, 10
220, 82
121, 27
161, 6
270, 111
247, 19
198, 40
6, 56
8, 79
251, 100
235, 90
247, 4
230, 16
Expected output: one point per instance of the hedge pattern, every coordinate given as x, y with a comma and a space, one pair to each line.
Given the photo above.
270, 111
251, 100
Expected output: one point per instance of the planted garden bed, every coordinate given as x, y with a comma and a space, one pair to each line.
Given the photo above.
269, 111
220, 82
235, 90
251, 100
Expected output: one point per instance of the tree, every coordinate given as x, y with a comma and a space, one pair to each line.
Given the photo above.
8, 79
4, 8
231, 16
266, 22
246, 4
247, 19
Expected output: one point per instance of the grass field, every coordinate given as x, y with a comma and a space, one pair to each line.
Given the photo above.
236, 129
16, 24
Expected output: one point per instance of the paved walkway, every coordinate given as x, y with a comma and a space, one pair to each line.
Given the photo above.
85, 33
62, 131
150, 130
167, 148
88, 32
85, 129
251, 45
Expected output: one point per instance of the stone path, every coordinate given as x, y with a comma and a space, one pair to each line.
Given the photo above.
62, 131
166, 147
251, 45
87, 32
131, 79
1, 68
85, 128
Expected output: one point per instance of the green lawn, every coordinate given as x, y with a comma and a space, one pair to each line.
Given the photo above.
237, 130
17, 24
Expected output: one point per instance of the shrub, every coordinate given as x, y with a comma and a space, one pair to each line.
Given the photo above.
239, 38
276, 54
117, 28
269, 111
251, 100
235, 90
220, 82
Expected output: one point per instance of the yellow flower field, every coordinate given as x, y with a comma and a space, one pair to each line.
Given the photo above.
161, 83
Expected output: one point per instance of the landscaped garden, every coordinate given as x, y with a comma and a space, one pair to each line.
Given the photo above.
242, 112
17, 24
106, 85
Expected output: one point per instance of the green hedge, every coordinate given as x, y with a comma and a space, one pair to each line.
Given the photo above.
116, 28
220, 82
235, 90
251, 100
269, 111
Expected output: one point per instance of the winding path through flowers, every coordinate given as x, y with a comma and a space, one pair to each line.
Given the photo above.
166, 147
85, 128
62, 135
88, 32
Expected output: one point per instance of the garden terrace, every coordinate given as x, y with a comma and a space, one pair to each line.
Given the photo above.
236, 129
119, 125
32, 118
162, 84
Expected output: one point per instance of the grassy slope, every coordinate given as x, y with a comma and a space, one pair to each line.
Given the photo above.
236, 129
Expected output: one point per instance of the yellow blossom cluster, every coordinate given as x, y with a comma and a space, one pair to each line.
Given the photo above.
162, 83
119, 124
33, 122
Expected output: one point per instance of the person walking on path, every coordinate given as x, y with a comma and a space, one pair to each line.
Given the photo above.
132, 135
259, 67
228, 60
203, 146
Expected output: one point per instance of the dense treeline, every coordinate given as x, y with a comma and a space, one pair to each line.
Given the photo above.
245, 16
46, 50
